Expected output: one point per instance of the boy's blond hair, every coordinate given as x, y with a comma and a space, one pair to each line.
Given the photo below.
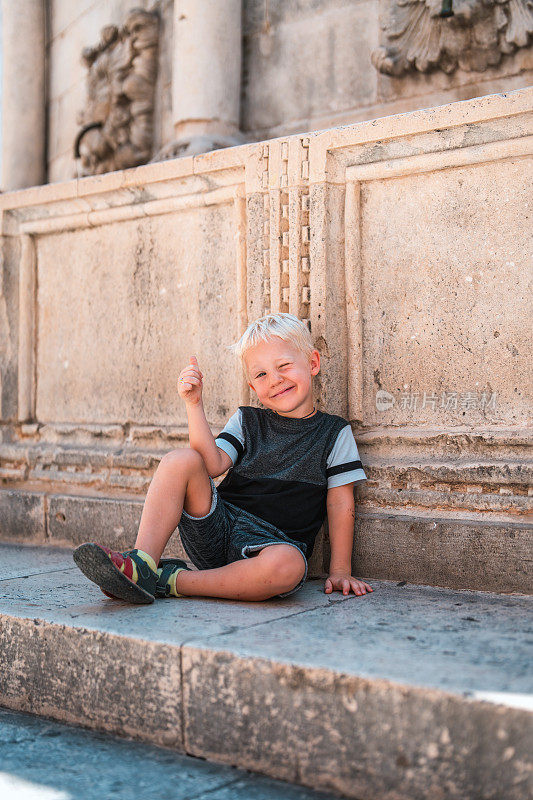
285, 326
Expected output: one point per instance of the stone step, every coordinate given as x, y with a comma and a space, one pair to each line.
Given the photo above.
45, 760
408, 692
423, 544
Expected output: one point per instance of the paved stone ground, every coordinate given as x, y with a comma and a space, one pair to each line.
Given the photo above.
45, 760
402, 693
471, 643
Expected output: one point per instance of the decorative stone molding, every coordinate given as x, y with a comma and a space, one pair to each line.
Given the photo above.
117, 123
195, 145
423, 35
286, 229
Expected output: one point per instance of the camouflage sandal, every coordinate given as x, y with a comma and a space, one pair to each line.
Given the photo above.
121, 576
167, 568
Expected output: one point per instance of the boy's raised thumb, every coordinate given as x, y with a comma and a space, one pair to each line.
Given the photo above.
192, 359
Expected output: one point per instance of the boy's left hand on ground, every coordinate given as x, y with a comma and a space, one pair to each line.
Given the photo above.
343, 582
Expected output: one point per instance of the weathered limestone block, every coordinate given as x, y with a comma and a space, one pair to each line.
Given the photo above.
95, 664
425, 739
418, 234
9, 324
466, 552
112, 521
22, 515
123, 315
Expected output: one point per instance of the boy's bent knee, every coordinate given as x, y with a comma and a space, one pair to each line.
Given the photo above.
184, 458
287, 563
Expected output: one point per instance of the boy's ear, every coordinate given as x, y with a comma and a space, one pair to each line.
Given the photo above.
315, 362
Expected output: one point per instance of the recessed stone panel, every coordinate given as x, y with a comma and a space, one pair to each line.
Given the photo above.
446, 312
121, 309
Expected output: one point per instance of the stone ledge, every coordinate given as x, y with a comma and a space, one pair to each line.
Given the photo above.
506, 442
402, 693
93, 193
507, 480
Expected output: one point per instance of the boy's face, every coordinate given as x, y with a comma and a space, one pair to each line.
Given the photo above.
277, 366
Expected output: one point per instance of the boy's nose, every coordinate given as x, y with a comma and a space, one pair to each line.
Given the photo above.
277, 387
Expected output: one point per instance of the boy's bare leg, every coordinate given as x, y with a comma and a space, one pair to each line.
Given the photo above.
277, 568
181, 480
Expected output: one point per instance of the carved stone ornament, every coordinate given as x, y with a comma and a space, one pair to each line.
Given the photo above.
425, 35
117, 122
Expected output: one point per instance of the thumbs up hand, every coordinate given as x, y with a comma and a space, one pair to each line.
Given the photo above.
190, 383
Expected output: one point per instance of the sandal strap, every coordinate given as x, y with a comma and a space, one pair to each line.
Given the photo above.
147, 578
168, 566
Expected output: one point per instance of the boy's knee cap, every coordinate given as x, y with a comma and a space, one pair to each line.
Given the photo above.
183, 456
292, 579
288, 562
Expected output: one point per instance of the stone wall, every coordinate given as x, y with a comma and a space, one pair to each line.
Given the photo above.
306, 66
402, 241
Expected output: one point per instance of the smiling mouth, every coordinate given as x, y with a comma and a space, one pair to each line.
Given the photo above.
284, 391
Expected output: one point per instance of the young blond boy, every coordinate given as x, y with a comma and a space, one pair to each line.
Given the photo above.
251, 537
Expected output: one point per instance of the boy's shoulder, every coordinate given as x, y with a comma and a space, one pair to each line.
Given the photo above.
336, 418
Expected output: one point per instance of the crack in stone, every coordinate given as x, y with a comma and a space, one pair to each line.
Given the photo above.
34, 574
236, 628
208, 792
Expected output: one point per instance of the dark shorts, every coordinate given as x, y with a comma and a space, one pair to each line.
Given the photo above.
227, 534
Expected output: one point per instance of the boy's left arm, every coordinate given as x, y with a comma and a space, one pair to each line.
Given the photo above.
341, 522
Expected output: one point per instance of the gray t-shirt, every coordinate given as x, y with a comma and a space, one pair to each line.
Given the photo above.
283, 467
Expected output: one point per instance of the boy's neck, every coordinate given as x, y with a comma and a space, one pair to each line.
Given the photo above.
310, 414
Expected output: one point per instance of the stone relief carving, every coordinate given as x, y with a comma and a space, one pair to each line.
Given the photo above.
117, 122
425, 35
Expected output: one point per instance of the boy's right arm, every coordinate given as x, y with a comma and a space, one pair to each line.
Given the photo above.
200, 437
202, 440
